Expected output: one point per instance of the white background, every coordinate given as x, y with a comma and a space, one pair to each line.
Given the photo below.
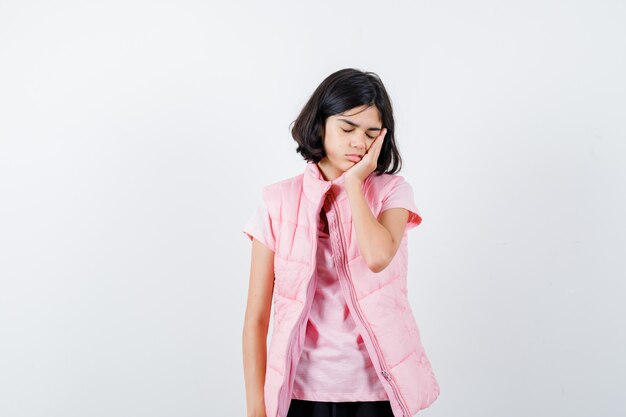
135, 138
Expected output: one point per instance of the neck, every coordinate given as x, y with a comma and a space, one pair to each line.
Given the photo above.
329, 172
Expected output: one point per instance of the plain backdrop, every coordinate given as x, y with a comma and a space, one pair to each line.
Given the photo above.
135, 137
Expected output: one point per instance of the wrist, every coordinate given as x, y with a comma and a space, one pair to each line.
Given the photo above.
256, 411
353, 182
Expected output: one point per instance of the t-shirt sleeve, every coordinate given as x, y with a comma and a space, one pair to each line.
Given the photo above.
260, 226
401, 195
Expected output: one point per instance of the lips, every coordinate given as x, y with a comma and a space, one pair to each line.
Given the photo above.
354, 158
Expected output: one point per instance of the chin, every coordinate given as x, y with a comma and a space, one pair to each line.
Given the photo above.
346, 165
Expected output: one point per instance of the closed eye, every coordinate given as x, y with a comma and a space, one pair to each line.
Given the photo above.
353, 129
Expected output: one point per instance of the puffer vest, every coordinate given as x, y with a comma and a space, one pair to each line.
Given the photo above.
377, 302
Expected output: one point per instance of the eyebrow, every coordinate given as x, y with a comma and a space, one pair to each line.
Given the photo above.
356, 125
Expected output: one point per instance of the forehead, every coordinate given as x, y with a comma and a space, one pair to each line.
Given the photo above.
362, 114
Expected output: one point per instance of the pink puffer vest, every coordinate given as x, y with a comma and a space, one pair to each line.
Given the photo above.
377, 301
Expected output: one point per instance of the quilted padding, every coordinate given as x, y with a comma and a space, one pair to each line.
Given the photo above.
287, 223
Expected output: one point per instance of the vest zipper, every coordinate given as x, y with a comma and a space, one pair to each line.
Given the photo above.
343, 263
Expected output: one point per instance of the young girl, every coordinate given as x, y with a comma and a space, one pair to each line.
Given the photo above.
329, 248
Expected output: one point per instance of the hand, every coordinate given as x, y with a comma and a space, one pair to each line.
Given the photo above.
369, 162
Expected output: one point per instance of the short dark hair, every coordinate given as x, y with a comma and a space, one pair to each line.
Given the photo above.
340, 91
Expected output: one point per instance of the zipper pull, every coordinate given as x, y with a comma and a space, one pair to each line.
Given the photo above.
387, 376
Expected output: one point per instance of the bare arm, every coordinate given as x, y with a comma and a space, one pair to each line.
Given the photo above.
378, 240
256, 325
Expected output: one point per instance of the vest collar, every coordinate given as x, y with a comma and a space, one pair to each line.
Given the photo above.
315, 186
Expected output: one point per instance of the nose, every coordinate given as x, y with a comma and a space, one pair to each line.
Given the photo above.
359, 141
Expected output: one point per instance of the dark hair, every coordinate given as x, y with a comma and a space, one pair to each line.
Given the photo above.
340, 91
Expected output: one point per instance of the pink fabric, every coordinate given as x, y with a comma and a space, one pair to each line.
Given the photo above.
286, 222
259, 226
334, 365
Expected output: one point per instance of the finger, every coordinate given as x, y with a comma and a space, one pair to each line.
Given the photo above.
380, 138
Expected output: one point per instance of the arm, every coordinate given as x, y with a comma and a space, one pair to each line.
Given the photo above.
255, 327
378, 240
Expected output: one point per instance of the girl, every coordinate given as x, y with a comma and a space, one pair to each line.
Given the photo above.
328, 247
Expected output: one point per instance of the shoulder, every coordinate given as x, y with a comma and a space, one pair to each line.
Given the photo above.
278, 188
382, 185
394, 191
275, 193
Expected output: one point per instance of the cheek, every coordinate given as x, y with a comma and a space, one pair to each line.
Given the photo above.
333, 142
